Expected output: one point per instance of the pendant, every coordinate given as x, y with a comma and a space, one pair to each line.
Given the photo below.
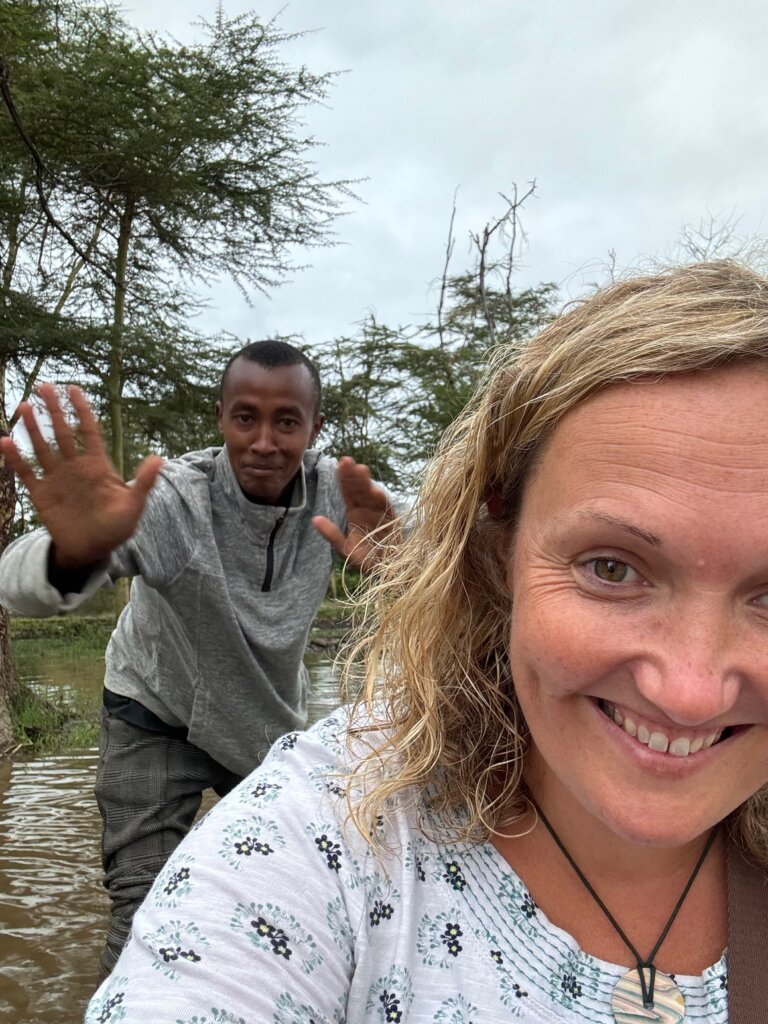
627, 999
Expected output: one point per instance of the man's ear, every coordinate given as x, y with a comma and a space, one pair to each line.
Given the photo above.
219, 414
317, 426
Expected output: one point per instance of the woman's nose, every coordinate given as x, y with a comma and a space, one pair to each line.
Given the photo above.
695, 673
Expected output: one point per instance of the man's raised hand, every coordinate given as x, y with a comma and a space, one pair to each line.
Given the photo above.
370, 516
86, 506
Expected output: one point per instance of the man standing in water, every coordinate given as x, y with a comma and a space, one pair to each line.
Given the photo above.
230, 557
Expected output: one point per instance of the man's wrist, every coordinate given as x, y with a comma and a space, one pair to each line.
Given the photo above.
67, 576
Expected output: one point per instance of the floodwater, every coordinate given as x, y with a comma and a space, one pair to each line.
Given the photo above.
53, 909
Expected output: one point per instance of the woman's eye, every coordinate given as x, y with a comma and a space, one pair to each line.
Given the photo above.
611, 570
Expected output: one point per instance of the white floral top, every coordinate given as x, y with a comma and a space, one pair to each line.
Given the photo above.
271, 913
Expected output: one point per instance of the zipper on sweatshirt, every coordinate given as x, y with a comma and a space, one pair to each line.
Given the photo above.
270, 569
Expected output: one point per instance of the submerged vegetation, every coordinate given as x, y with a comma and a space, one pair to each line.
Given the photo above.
46, 721
59, 714
48, 715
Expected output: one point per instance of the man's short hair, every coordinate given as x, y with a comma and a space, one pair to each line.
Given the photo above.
270, 354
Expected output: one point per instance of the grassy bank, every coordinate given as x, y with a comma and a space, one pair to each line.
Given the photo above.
81, 633
50, 714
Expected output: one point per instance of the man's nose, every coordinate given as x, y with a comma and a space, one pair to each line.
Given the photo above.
262, 439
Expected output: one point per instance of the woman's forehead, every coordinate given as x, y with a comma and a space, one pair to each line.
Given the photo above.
706, 431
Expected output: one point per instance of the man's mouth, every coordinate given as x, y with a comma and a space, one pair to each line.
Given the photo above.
681, 744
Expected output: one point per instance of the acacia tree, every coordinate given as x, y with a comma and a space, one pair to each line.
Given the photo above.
191, 160
135, 168
37, 279
362, 376
391, 393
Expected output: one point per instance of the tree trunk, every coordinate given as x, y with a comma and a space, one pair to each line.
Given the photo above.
7, 489
7, 680
115, 374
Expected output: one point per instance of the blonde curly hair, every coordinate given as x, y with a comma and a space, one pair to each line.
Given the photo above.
437, 710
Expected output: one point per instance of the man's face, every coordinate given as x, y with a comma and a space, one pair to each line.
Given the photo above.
268, 418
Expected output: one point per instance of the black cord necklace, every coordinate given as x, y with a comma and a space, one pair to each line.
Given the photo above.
644, 988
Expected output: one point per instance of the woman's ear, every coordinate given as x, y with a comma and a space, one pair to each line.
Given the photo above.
500, 531
494, 505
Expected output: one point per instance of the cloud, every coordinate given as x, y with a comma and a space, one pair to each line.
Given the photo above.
634, 120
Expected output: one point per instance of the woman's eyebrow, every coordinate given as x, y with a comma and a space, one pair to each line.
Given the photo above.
622, 524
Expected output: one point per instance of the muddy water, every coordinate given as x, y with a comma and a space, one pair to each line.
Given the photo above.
52, 907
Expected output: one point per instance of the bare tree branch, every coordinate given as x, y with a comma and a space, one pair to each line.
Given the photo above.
40, 170
514, 205
507, 225
611, 269
713, 238
444, 279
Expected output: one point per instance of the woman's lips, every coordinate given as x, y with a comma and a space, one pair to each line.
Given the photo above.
678, 743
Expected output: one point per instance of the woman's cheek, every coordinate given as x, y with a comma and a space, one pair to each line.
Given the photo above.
561, 649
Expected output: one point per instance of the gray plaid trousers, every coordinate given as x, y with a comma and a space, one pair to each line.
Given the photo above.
149, 788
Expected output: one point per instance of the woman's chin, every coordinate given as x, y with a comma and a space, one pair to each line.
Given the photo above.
650, 823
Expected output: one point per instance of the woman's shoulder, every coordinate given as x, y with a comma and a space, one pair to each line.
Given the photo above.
306, 788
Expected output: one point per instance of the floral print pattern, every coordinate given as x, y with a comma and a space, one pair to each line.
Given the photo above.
275, 910
174, 883
250, 837
272, 929
175, 944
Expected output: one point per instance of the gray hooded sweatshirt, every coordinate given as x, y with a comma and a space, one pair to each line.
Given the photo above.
223, 597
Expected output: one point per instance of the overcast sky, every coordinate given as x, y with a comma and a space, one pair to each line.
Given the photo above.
634, 119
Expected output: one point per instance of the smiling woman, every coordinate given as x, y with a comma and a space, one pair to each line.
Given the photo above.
640, 615
561, 747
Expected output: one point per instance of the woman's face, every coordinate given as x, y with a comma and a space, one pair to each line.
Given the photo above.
639, 574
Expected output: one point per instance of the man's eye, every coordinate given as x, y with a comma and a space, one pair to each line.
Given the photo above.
611, 570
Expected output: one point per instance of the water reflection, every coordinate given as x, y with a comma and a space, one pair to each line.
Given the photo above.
52, 907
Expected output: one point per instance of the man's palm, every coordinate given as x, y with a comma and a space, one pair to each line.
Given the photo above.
370, 516
85, 505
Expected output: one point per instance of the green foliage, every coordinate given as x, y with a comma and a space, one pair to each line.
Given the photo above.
58, 715
36, 718
451, 359
159, 165
388, 395
361, 377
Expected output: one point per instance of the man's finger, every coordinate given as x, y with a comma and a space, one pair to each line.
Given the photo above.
332, 533
357, 488
352, 473
61, 429
40, 446
90, 431
16, 464
145, 477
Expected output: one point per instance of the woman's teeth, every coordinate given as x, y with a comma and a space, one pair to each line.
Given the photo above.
681, 746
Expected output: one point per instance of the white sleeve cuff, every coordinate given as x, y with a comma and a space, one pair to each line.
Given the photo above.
24, 585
